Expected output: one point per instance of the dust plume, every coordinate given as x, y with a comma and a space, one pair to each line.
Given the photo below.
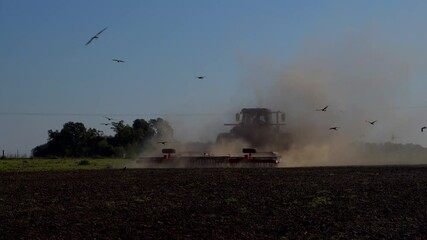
359, 78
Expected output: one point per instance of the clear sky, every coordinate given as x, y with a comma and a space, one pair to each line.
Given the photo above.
49, 77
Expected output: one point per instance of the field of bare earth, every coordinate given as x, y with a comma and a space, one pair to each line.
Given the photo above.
384, 202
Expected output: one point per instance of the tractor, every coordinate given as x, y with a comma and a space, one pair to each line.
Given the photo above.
260, 128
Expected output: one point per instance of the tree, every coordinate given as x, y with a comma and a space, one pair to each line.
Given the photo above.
73, 135
55, 145
161, 128
124, 134
74, 140
95, 144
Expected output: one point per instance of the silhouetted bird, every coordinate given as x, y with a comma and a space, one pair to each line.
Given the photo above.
200, 77
323, 109
163, 142
334, 128
109, 119
124, 169
372, 123
105, 124
423, 128
96, 36
118, 61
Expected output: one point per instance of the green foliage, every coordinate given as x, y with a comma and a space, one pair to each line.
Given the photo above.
84, 162
75, 141
320, 201
25, 165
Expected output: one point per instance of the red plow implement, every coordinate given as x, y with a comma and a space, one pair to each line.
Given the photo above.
249, 158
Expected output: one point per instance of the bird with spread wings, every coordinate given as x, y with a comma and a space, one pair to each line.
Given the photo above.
96, 36
323, 109
118, 60
371, 122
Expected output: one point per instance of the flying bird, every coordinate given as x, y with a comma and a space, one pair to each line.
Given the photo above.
423, 128
334, 128
372, 123
163, 142
118, 61
96, 36
200, 77
109, 119
105, 124
323, 109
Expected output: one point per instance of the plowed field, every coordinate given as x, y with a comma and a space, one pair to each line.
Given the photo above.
247, 203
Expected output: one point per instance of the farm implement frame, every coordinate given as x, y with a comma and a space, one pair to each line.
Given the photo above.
249, 158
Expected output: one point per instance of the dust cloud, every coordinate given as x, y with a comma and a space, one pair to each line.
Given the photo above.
360, 80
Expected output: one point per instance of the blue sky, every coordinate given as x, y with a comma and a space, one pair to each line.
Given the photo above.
47, 72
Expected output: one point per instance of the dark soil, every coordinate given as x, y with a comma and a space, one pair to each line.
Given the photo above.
299, 203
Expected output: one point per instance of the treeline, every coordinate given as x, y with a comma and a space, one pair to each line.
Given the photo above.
394, 153
75, 140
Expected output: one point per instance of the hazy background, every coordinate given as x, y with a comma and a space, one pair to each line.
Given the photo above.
364, 59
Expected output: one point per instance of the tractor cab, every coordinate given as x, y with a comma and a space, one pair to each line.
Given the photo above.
258, 117
259, 127
254, 117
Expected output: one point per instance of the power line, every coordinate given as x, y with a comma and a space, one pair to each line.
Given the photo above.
410, 107
109, 114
